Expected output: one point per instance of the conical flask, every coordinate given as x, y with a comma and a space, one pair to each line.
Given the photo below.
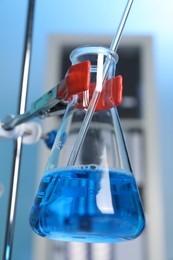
89, 194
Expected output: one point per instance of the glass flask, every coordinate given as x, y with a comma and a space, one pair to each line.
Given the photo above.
89, 194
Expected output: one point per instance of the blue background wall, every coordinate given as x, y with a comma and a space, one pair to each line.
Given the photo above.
95, 17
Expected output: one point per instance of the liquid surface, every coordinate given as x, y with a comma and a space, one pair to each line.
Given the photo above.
88, 204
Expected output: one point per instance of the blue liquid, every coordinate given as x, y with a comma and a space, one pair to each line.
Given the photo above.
88, 204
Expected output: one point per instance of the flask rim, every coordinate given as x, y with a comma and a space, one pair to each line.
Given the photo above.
92, 49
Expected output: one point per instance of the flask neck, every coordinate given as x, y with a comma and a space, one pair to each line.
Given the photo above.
91, 54
102, 76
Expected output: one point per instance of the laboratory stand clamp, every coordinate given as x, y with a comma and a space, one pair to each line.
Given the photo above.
88, 192
56, 99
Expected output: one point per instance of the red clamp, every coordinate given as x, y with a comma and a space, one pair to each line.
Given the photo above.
76, 81
111, 95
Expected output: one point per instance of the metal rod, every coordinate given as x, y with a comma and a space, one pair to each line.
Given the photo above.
117, 37
10, 224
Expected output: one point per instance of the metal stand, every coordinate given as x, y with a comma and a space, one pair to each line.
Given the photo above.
10, 224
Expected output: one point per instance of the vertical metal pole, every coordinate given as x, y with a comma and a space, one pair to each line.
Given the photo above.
10, 224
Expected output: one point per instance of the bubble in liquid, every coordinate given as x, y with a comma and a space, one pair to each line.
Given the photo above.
1, 189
